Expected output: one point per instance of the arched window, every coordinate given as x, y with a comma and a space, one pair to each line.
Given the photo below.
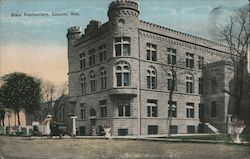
103, 78
189, 83
122, 74
151, 78
172, 80
83, 83
92, 81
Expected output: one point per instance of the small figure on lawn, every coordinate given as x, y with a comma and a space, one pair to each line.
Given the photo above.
93, 132
47, 121
107, 129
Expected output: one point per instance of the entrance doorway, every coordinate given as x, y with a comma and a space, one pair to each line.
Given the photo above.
82, 130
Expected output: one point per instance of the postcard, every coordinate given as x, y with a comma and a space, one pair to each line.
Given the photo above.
124, 79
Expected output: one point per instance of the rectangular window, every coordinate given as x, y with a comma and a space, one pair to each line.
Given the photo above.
151, 52
189, 60
189, 87
201, 85
171, 53
174, 109
214, 88
191, 129
92, 85
200, 62
122, 132
124, 107
102, 53
103, 111
189, 83
118, 50
174, 129
103, 108
126, 79
213, 109
151, 108
148, 82
153, 83
103, 83
83, 87
119, 79
122, 46
120, 110
201, 112
190, 110
92, 57
127, 110
103, 102
82, 61
152, 129
126, 50
82, 111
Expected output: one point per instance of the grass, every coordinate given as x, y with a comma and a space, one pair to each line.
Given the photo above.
111, 149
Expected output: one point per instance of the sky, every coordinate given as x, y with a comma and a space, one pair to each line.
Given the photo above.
37, 45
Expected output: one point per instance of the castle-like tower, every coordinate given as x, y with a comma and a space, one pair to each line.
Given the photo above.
120, 71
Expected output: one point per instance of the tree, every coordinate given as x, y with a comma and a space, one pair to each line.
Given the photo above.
20, 92
172, 85
236, 35
2, 114
48, 91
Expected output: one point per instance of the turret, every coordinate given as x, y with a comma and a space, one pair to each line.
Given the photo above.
123, 7
73, 34
123, 14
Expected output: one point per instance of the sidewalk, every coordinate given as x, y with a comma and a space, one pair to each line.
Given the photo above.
152, 138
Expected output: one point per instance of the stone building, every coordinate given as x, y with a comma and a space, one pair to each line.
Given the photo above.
120, 73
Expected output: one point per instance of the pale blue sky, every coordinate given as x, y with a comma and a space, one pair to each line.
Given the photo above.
190, 16
42, 40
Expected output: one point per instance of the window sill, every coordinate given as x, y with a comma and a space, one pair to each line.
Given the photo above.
103, 117
81, 119
128, 90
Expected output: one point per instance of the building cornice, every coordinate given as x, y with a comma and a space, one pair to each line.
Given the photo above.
182, 42
147, 26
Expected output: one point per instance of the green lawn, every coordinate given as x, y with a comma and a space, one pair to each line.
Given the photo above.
23, 148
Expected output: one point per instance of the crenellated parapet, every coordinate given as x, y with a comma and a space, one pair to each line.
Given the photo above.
93, 29
186, 44
123, 4
181, 36
93, 26
74, 33
123, 8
